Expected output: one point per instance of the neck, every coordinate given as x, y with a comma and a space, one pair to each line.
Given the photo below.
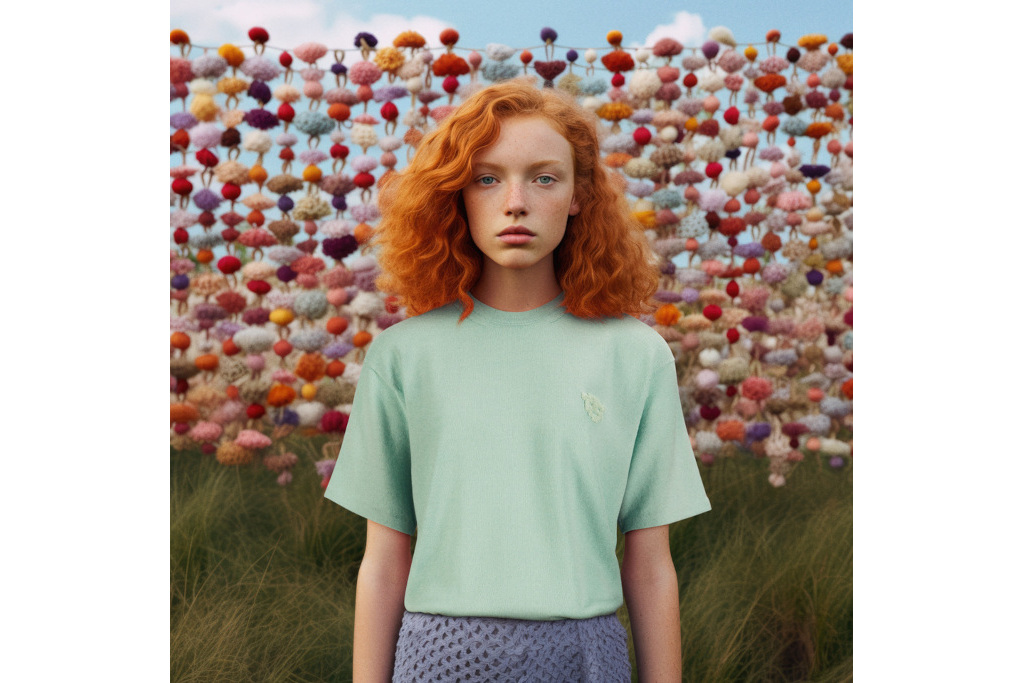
516, 290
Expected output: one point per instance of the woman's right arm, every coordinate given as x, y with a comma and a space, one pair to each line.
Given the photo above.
380, 602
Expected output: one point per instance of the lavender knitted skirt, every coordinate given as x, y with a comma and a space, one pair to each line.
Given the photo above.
434, 647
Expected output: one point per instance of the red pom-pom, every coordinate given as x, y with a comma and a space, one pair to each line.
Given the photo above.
285, 59
712, 312
710, 412
228, 264
733, 288
450, 84
731, 115
733, 335
255, 411
690, 80
229, 234
230, 191
732, 206
730, 391
791, 142
618, 60
363, 180
751, 265
258, 35
389, 111
282, 347
751, 196
181, 386
449, 37
334, 421
208, 449
618, 80
258, 287
207, 158
642, 135
181, 236
181, 186
339, 151
229, 347
713, 170
848, 317
391, 304
286, 112
286, 154
525, 56
207, 219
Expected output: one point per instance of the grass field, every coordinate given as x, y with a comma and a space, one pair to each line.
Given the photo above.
262, 582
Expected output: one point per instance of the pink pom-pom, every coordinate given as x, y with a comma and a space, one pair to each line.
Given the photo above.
310, 52
255, 362
250, 438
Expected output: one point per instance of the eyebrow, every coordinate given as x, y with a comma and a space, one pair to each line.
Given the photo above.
482, 165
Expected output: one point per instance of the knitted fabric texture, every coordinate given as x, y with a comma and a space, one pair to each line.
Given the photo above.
435, 647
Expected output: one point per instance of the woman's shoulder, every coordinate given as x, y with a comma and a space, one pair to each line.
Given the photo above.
635, 335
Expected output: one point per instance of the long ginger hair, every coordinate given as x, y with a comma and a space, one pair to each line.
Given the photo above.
427, 255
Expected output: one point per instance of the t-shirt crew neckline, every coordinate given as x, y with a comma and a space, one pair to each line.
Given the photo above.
487, 315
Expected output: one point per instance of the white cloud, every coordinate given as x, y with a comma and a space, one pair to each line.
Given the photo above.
687, 28
291, 22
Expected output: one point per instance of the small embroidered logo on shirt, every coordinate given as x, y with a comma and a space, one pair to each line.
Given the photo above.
593, 407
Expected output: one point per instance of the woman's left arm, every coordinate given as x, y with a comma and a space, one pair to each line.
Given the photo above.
651, 590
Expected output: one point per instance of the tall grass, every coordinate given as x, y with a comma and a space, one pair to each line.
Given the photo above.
263, 577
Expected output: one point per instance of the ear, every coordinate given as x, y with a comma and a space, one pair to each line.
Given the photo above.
574, 207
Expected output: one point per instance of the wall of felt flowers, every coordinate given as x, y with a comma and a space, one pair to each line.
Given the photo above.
738, 160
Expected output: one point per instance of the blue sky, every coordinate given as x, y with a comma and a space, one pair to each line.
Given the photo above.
579, 24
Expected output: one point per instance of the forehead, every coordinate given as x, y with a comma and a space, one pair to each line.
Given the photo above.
526, 138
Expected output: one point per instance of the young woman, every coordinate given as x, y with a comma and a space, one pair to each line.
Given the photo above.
517, 417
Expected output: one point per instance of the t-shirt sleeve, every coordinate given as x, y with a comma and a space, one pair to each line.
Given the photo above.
663, 484
372, 477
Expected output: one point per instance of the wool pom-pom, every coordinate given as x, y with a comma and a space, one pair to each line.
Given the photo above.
756, 388
231, 453
310, 413
706, 379
205, 240
733, 182
708, 442
313, 123
835, 407
450, 64
644, 84
183, 219
640, 188
731, 61
733, 370
666, 198
207, 67
255, 340
498, 52
668, 156
641, 168
712, 199
260, 69
748, 250
551, 70
817, 425
691, 277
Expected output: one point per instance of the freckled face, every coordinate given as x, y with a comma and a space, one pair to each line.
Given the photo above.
521, 195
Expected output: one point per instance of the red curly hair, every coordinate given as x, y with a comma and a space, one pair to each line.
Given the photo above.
427, 255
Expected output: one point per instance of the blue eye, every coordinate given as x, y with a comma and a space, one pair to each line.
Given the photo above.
545, 180
487, 180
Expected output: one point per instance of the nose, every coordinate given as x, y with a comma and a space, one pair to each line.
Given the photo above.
515, 200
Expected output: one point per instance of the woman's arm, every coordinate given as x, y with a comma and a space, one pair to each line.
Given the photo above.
380, 602
651, 589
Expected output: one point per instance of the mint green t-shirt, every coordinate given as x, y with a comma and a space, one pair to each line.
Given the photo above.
512, 444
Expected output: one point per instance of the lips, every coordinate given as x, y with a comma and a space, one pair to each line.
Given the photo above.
516, 230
